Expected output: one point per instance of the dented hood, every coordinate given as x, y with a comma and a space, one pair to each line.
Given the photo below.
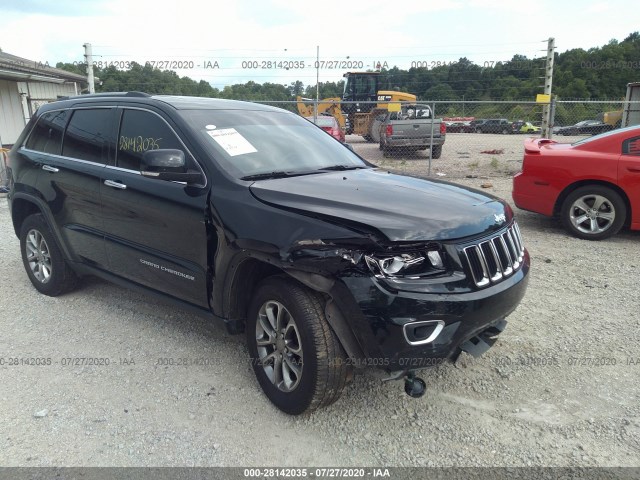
402, 208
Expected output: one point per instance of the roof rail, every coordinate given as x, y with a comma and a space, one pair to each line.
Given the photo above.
107, 94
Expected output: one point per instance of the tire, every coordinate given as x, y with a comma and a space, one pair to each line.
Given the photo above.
368, 138
42, 259
579, 218
385, 149
436, 151
505, 131
374, 130
308, 343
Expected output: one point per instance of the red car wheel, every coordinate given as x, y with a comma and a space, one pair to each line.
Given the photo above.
593, 212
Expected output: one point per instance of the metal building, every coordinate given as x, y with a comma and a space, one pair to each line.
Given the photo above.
24, 86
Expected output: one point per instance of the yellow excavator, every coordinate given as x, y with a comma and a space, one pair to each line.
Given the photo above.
355, 117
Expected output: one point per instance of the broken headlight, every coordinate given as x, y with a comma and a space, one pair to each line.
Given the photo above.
406, 265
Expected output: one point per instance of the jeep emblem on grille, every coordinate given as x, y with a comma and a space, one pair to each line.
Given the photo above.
500, 218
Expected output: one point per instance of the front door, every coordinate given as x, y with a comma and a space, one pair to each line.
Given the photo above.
155, 230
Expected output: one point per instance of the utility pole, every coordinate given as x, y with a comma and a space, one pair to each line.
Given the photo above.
89, 59
547, 117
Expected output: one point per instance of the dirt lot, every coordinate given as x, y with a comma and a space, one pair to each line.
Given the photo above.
560, 388
462, 155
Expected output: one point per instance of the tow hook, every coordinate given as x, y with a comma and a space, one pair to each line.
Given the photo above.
414, 386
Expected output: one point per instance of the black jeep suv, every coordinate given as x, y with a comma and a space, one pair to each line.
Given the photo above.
258, 218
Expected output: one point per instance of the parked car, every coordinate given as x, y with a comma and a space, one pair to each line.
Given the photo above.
528, 127
517, 125
329, 124
250, 215
495, 125
412, 129
593, 184
475, 124
459, 127
586, 127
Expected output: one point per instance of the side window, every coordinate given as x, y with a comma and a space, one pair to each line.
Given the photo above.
87, 136
631, 146
46, 137
141, 131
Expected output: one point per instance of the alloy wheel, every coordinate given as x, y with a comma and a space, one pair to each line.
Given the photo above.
38, 256
279, 346
592, 214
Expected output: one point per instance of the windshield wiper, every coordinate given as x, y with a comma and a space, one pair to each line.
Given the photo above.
276, 174
340, 168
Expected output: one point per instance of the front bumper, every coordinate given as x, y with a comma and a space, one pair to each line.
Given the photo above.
379, 318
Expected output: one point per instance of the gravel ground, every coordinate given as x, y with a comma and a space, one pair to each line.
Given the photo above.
462, 154
559, 388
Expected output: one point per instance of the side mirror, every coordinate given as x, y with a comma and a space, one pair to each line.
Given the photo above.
167, 164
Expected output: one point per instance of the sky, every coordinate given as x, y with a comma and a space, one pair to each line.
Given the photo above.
226, 42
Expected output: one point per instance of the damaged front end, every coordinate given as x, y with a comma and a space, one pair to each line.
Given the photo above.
403, 307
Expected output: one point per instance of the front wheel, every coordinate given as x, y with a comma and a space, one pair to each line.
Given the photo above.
593, 212
42, 258
296, 357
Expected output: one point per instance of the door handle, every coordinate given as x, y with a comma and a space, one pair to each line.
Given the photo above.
114, 184
634, 169
51, 169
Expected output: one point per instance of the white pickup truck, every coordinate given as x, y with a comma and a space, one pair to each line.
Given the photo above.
411, 129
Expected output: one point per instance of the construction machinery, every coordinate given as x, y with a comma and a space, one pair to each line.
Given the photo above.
630, 112
361, 106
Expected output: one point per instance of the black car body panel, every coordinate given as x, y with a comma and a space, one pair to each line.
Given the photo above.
411, 209
208, 243
586, 127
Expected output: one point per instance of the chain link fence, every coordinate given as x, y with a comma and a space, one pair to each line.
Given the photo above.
454, 139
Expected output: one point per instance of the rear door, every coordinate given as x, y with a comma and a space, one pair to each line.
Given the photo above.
156, 233
629, 175
71, 172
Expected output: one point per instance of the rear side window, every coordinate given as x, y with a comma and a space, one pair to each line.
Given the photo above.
631, 146
46, 137
87, 136
141, 131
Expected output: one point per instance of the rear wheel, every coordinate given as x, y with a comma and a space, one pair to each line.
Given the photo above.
297, 358
374, 130
436, 151
593, 212
43, 260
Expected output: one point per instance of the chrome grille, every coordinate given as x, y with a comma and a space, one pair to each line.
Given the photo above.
492, 260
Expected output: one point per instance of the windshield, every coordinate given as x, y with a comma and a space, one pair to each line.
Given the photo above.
254, 142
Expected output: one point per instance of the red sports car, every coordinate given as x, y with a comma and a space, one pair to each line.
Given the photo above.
594, 184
